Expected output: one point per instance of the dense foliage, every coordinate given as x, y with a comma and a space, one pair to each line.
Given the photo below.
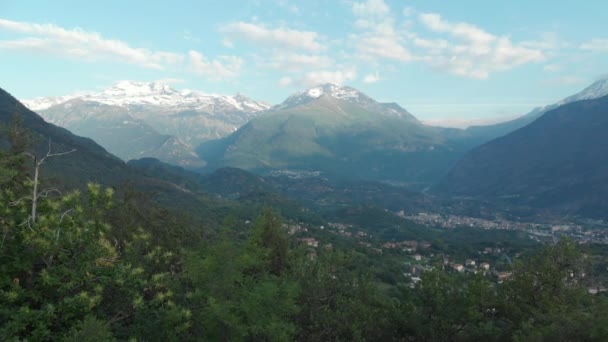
98, 267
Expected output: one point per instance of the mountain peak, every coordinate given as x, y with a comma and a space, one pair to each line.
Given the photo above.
134, 88
347, 94
157, 94
325, 90
596, 90
333, 90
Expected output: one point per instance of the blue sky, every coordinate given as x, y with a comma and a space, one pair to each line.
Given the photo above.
446, 61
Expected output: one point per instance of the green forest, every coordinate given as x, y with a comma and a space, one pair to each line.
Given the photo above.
96, 264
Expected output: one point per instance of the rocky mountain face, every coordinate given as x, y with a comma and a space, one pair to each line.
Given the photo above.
137, 119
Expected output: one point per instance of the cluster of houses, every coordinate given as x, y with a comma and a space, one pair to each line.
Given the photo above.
313, 244
418, 264
293, 228
470, 265
408, 246
343, 229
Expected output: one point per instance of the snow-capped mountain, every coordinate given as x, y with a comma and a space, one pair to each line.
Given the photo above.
149, 119
328, 89
131, 93
594, 91
42, 103
347, 94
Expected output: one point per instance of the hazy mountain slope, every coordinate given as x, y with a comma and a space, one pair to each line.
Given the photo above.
137, 119
118, 131
338, 131
90, 162
489, 132
559, 161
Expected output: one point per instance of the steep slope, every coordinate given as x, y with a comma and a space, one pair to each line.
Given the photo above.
137, 119
559, 161
486, 133
118, 131
89, 162
340, 132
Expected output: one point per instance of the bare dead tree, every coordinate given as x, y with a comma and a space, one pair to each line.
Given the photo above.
37, 164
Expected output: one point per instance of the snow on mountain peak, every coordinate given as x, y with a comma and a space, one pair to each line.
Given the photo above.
347, 94
596, 90
133, 93
327, 89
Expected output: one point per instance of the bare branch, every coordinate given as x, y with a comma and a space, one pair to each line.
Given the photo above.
46, 192
60, 221
16, 202
29, 155
3, 238
50, 155
29, 219
65, 213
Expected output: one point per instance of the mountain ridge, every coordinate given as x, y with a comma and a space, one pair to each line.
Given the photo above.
557, 161
127, 93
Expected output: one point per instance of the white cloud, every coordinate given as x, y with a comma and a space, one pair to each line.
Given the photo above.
547, 41
91, 46
372, 78
289, 6
275, 38
455, 47
408, 11
371, 8
227, 43
430, 44
474, 53
596, 44
337, 77
225, 67
383, 46
379, 38
314, 78
285, 81
293, 62
188, 36
80, 44
465, 31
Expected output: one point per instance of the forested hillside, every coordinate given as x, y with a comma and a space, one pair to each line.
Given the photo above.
93, 266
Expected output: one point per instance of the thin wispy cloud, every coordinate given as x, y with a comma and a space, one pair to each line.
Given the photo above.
462, 48
313, 78
281, 37
295, 62
470, 51
76, 43
224, 67
372, 78
596, 45
80, 44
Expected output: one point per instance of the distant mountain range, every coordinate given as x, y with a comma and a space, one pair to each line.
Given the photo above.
335, 130
559, 161
137, 119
